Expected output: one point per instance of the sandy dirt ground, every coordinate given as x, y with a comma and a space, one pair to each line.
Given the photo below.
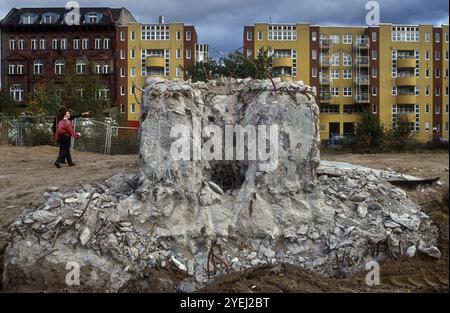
26, 172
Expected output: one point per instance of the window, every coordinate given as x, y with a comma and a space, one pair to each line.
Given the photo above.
177, 71
20, 68
405, 33
334, 60
249, 53
334, 74
12, 44
282, 32
446, 37
437, 91
132, 35
446, 126
438, 73
374, 91
427, 73
42, 43
38, 67
34, 44
76, 44
427, 90
260, 36
347, 91
21, 44
92, 18
446, 90
394, 90
314, 54
446, 55
427, 126
427, 109
28, 19
313, 36
122, 90
427, 37
122, 36
133, 90
82, 92
335, 39
106, 69
438, 55
314, 72
12, 69
103, 92
133, 108
374, 36
122, 54
16, 92
446, 108
155, 32
347, 74
374, 109
249, 36
374, 54
50, 18
188, 36
98, 43
347, 59
122, 72
374, 72
133, 53
55, 44
329, 109
107, 43
335, 91
178, 53
98, 68
178, 35
437, 109
85, 44
437, 37
64, 43
133, 72
60, 67
417, 90
405, 108
347, 39
188, 53
427, 55
81, 67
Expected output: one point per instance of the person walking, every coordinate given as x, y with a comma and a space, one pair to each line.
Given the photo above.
64, 133
59, 116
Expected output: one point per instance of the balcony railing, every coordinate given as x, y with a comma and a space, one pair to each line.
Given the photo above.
362, 97
324, 80
325, 96
362, 79
325, 43
362, 61
324, 62
362, 42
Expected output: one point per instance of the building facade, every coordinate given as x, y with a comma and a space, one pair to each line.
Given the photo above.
163, 50
387, 69
43, 44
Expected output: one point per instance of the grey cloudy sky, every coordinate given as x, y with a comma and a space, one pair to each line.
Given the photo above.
219, 22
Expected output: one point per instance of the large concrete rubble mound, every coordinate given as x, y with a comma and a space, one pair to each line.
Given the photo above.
203, 215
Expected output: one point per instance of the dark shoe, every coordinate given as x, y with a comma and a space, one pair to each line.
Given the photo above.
71, 164
57, 165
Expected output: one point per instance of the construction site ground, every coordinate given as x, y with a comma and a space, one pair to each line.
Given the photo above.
26, 173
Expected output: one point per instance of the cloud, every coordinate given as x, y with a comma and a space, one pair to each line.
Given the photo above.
220, 22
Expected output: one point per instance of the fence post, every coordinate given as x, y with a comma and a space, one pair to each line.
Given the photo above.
108, 140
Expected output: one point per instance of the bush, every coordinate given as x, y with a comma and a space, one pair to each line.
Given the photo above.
369, 133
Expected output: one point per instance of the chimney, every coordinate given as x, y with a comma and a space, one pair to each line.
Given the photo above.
161, 19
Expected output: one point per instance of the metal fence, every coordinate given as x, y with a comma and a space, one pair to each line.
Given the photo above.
105, 138
98, 137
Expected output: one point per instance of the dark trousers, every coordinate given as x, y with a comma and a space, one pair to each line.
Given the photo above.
64, 150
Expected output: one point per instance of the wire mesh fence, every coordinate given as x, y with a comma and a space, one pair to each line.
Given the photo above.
97, 137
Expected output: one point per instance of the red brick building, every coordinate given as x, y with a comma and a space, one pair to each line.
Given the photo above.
41, 44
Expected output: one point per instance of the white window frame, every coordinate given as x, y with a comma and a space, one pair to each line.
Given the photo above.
60, 67
132, 72
347, 74
133, 54
188, 36
188, 54
85, 43
347, 39
76, 44
106, 43
97, 43
122, 36
347, 91
132, 35
38, 67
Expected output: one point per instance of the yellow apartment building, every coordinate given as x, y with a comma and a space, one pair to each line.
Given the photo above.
163, 50
387, 69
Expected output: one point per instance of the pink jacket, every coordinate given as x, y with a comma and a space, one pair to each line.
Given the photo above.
65, 129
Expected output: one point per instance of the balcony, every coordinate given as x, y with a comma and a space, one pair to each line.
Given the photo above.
362, 97
155, 61
406, 62
362, 79
362, 61
325, 97
324, 80
407, 98
362, 43
407, 80
282, 62
325, 44
324, 62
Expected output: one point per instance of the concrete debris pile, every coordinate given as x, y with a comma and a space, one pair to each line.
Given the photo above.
202, 216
